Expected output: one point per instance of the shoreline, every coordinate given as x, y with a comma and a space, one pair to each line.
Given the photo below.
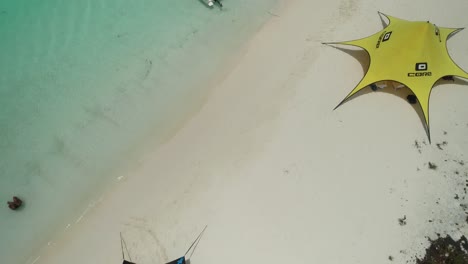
269, 167
63, 166
66, 229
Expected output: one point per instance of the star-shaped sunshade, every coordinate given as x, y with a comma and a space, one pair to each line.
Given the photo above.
413, 53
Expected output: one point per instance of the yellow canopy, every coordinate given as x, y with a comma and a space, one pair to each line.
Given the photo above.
412, 53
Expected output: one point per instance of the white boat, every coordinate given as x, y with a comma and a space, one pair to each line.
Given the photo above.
210, 3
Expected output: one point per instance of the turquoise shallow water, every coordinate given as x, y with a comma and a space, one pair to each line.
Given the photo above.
85, 85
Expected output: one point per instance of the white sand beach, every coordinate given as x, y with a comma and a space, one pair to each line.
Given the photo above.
277, 175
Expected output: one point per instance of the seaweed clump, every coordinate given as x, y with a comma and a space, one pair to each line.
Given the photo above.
445, 250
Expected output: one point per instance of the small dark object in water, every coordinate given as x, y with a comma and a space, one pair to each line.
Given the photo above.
448, 78
373, 87
412, 99
17, 202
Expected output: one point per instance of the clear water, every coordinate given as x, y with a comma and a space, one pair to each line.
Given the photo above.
85, 84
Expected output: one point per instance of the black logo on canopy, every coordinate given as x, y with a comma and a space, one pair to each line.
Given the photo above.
382, 38
421, 66
387, 36
421, 69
